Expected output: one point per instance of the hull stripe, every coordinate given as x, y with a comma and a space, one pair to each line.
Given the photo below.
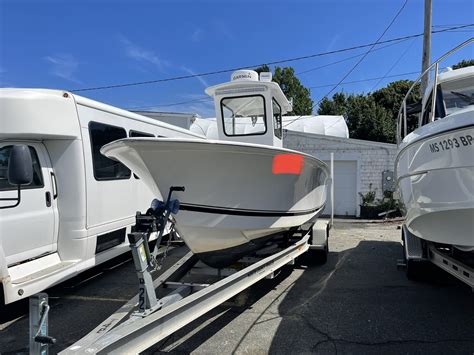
244, 212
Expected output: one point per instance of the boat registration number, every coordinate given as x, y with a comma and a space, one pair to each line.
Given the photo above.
452, 143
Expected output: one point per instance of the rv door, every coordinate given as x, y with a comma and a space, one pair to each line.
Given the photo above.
30, 229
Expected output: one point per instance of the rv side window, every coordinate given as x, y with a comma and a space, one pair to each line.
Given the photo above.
244, 115
37, 174
139, 134
277, 119
105, 168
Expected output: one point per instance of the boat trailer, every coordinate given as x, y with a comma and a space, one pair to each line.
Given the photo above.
146, 319
418, 252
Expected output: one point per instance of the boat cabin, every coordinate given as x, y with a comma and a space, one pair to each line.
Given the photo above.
249, 108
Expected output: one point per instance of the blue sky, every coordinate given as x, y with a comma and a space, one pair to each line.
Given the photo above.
81, 44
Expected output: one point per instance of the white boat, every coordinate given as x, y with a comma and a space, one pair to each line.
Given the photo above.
435, 162
240, 191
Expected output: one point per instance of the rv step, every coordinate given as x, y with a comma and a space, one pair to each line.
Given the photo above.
35, 270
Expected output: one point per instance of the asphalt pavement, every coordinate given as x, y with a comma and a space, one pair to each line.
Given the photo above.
358, 302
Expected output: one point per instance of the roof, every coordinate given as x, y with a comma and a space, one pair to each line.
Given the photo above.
251, 87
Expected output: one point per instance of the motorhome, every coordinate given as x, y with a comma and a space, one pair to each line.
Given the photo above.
80, 205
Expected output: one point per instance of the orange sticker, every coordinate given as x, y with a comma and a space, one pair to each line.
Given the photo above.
287, 164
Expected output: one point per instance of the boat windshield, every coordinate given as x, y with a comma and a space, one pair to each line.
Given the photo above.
244, 115
457, 94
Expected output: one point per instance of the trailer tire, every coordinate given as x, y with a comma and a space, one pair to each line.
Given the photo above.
320, 257
416, 270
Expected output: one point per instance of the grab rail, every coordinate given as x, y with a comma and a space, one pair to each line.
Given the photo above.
402, 112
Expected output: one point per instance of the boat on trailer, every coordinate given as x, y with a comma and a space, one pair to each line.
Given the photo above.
242, 190
435, 170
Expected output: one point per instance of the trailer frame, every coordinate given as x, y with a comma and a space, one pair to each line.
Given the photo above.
128, 331
418, 252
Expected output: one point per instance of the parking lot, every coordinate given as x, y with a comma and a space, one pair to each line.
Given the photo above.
358, 302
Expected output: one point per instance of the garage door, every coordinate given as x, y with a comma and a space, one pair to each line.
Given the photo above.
345, 188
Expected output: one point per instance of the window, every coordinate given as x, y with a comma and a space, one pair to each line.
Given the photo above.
37, 174
139, 134
427, 111
244, 115
440, 110
277, 119
457, 94
105, 168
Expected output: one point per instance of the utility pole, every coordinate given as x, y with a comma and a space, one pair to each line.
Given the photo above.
425, 60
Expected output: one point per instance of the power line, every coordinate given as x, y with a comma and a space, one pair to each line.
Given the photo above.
268, 63
310, 87
450, 25
370, 49
348, 58
394, 64
461, 31
204, 98
360, 60
365, 80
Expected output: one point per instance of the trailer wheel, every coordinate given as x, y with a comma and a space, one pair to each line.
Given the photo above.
319, 257
416, 270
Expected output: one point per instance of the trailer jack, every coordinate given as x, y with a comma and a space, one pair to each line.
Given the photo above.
156, 218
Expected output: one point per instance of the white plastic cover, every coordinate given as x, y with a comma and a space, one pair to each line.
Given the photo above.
334, 126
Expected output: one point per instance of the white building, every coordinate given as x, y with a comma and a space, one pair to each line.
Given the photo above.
358, 165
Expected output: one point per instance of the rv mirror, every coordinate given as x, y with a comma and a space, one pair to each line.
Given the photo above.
20, 166
20, 171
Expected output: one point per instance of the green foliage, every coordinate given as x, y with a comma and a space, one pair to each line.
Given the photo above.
388, 203
292, 88
372, 116
263, 68
464, 63
336, 106
391, 96
368, 198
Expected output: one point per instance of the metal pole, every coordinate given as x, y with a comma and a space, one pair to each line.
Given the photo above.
425, 60
434, 93
332, 188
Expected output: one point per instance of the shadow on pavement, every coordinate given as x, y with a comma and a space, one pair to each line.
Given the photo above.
360, 303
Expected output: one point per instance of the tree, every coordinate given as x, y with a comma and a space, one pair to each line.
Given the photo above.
464, 63
336, 106
292, 88
372, 116
391, 96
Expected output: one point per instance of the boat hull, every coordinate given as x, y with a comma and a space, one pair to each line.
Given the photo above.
237, 196
435, 175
